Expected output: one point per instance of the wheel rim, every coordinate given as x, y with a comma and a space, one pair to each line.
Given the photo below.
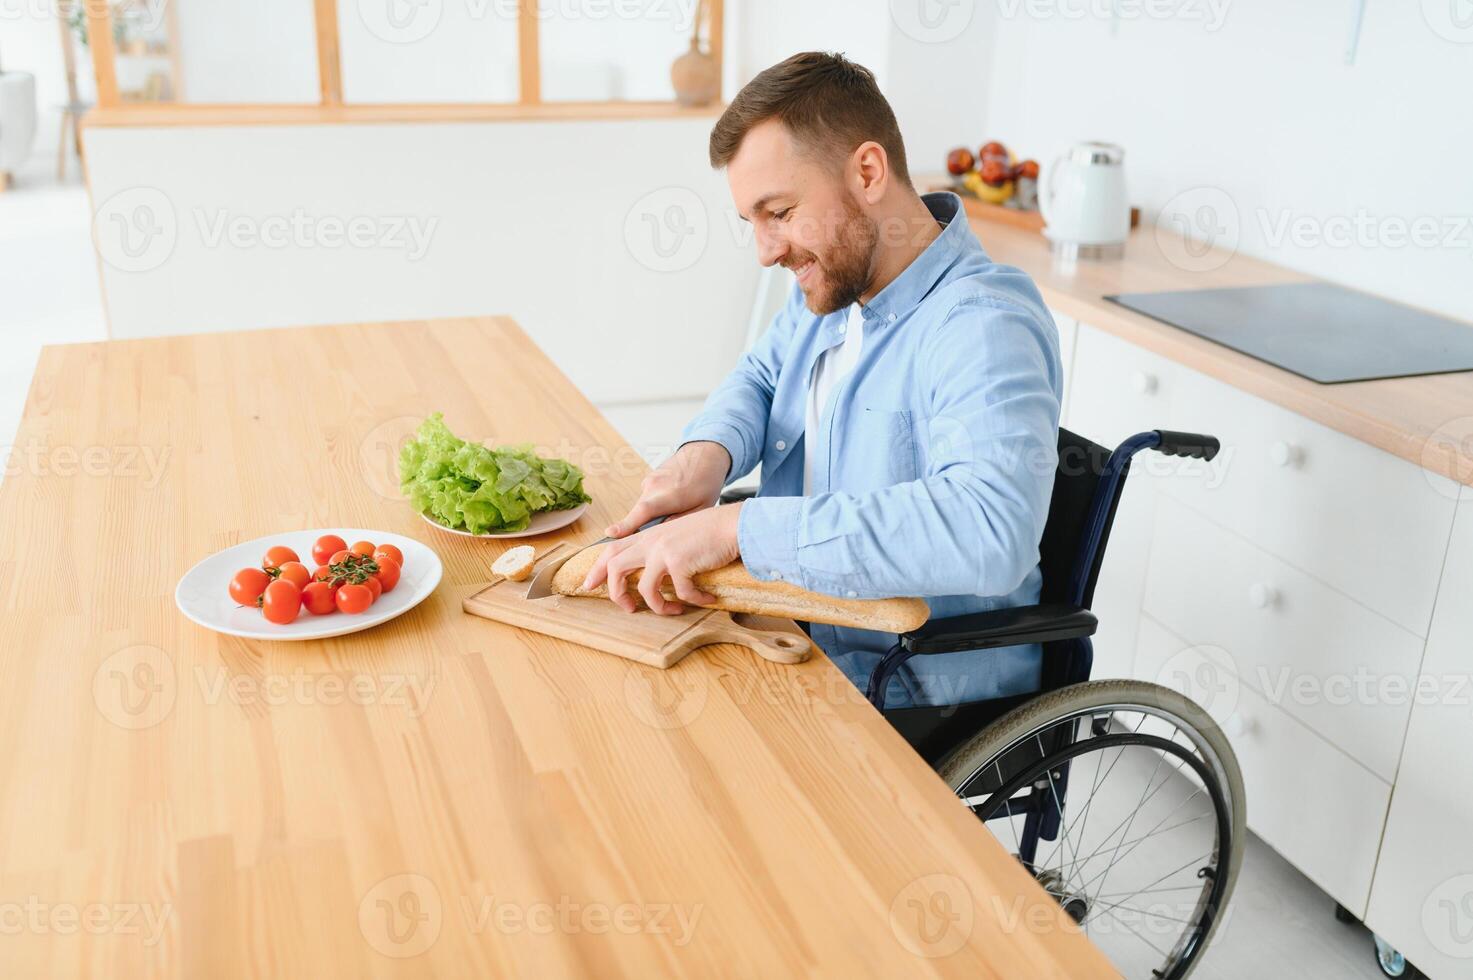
1080, 752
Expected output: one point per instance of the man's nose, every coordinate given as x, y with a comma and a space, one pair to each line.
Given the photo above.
770, 248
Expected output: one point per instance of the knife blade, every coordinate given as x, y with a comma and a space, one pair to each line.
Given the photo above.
541, 585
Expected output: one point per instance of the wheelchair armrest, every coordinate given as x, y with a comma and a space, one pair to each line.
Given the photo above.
734, 494
1001, 628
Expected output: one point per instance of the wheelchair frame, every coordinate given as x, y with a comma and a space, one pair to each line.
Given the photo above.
1063, 626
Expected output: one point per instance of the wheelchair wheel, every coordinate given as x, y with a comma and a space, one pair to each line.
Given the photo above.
1125, 801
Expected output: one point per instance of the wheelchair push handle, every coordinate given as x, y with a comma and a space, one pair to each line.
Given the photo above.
1187, 444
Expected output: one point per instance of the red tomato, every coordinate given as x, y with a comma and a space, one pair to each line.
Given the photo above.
317, 599
388, 573
322, 574
364, 548
327, 546
277, 556
282, 602
338, 556
296, 573
374, 586
247, 586
353, 599
390, 552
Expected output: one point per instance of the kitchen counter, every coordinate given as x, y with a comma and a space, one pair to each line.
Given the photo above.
442, 794
1425, 420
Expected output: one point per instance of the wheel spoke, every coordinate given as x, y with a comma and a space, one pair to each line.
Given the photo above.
1064, 844
1150, 832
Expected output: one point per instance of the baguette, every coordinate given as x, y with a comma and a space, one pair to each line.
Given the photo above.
516, 563
737, 591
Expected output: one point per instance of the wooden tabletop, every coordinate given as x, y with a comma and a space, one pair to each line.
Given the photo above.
443, 794
1425, 420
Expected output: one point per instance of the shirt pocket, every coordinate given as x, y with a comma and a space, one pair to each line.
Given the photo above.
886, 442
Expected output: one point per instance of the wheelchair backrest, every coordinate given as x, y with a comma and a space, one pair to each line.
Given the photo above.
1062, 551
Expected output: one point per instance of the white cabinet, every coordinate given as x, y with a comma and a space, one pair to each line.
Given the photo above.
1307, 800
1289, 586
1360, 519
1422, 897
1310, 651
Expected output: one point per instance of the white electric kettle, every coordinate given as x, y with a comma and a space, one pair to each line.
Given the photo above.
1083, 200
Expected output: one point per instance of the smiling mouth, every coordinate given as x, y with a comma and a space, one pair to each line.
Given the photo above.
805, 271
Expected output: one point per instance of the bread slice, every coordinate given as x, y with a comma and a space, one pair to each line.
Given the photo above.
737, 591
515, 563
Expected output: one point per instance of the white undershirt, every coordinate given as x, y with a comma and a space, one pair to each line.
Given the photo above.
830, 368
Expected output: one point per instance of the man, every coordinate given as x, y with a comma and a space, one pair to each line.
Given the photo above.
904, 405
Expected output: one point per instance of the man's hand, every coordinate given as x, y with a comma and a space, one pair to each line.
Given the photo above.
677, 550
688, 481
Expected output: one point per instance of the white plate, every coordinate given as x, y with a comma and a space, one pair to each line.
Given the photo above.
203, 593
543, 522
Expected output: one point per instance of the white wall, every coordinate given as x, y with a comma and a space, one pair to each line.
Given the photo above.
551, 222
1265, 109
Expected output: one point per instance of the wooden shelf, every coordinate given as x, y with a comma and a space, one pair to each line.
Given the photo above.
173, 114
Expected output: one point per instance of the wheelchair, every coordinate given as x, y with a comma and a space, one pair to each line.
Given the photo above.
1054, 773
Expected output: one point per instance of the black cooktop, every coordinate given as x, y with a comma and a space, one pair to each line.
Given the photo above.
1320, 331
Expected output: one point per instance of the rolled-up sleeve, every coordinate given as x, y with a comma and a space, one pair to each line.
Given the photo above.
971, 524
735, 415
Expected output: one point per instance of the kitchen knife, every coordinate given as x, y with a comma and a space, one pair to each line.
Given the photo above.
541, 585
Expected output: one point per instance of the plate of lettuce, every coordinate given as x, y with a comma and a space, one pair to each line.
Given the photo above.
479, 491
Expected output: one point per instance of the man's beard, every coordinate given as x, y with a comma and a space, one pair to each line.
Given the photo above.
846, 271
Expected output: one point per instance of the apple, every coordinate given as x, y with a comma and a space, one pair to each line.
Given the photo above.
993, 151
959, 161
1028, 168
996, 172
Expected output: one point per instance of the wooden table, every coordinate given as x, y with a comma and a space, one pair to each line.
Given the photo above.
441, 795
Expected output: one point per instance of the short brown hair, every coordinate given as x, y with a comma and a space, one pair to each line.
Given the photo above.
825, 100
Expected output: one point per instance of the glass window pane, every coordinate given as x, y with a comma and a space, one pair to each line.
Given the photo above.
216, 51
601, 50
428, 50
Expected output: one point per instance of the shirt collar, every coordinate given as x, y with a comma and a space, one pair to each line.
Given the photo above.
917, 280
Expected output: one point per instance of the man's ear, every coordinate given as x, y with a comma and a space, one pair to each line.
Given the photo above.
872, 172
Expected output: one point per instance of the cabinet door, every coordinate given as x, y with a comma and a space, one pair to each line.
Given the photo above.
1310, 802
1368, 523
1118, 389
1422, 895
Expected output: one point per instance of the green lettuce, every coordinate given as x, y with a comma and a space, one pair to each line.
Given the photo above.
468, 486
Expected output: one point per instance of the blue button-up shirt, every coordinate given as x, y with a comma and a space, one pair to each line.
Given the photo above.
932, 464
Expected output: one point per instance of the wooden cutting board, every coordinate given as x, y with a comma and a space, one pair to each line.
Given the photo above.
644, 636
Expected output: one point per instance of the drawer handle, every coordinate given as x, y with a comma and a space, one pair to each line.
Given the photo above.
1262, 596
1285, 454
1238, 725
1143, 383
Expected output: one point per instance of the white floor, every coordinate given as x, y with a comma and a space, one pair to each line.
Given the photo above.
49, 271
1281, 925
